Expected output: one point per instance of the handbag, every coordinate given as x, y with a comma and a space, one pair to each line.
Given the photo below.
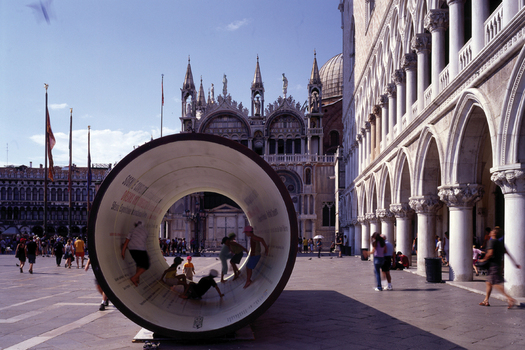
483, 264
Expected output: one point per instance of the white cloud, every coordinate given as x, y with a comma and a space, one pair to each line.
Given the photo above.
107, 146
58, 105
235, 25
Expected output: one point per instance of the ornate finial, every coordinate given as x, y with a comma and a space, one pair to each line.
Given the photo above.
257, 57
188, 58
71, 110
315, 53
89, 127
46, 86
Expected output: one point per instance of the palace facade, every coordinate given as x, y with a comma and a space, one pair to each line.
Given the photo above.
298, 139
22, 199
434, 139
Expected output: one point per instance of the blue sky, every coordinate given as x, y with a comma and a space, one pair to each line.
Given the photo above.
104, 59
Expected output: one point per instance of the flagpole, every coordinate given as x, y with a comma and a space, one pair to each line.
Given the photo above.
162, 105
88, 175
46, 135
69, 170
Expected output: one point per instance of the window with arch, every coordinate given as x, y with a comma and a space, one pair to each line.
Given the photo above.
3, 195
53, 194
328, 214
9, 194
28, 194
308, 176
334, 138
16, 194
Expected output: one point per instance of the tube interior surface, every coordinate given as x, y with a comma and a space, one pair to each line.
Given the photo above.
143, 186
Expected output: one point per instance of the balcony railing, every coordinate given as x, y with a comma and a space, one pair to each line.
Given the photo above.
493, 24
298, 158
465, 55
428, 95
444, 78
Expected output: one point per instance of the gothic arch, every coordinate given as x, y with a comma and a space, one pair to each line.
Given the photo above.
510, 142
274, 116
206, 123
469, 105
402, 159
421, 168
384, 184
361, 199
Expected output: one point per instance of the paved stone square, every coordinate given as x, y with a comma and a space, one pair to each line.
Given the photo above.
329, 303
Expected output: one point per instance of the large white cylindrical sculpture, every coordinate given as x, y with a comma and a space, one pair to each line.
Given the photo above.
143, 186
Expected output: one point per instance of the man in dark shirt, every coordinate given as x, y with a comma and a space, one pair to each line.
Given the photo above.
197, 290
32, 250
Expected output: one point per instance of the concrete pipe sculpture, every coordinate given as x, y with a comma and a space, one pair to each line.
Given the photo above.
143, 186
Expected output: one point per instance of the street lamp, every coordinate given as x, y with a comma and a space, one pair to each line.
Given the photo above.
196, 217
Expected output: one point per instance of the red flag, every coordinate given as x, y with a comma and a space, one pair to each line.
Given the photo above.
50, 139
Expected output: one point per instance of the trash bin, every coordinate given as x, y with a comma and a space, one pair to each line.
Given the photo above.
433, 270
364, 254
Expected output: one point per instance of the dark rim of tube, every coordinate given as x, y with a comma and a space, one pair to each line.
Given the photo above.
223, 142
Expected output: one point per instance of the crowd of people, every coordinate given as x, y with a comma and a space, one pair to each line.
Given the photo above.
26, 248
179, 246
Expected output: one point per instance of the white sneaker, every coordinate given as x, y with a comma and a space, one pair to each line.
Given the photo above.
389, 288
377, 289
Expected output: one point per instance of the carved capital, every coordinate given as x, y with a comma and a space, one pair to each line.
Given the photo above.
382, 101
401, 210
510, 181
425, 204
367, 126
376, 110
371, 217
358, 138
436, 19
422, 42
385, 215
454, 2
363, 132
399, 76
390, 90
461, 195
409, 61
361, 220
371, 118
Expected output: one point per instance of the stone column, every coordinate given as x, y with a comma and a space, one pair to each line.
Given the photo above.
425, 207
390, 91
436, 22
382, 101
480, 13
460, 200
357, 237
368, 144
399, 79
422, 43
372, 121
512, 184
376, 110
387, 224
374, 224
409, 64
403, 214
365, 240
510, 8
359, 140
456, 10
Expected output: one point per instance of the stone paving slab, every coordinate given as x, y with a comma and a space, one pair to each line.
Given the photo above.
329, 303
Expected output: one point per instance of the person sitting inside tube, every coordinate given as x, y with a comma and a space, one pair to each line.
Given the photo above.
197, 290
171, 278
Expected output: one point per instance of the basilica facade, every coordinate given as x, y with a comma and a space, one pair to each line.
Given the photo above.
434, 143
298, 139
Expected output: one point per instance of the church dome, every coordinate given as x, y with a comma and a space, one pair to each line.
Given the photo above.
332, 77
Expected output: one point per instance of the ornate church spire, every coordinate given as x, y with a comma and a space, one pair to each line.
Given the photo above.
257, 83
257, 92
188, 79
201, 99
315, 78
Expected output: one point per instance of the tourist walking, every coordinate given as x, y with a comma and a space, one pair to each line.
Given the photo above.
32, 251
378, 250
387, 265
494, 255
21, 253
